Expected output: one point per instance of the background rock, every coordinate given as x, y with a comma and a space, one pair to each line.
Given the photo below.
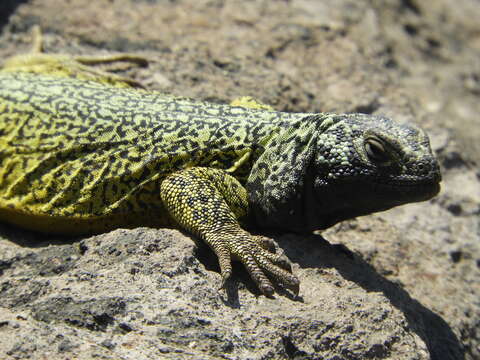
403, 284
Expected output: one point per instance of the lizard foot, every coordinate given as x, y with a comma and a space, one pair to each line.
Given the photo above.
258, 261
79, 67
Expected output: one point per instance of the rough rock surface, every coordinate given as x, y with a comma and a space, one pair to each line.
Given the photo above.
403, 284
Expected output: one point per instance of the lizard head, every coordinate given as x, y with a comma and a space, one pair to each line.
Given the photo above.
342, 166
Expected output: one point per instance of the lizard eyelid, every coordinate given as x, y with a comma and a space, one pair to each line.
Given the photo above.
375, 148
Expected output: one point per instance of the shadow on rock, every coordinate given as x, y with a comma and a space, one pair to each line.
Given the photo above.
7, 8
315, 252
31, 239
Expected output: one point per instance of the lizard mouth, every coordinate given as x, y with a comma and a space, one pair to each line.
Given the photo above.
407, 192
342, 201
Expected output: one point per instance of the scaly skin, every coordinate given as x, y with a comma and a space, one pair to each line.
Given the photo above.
84, 152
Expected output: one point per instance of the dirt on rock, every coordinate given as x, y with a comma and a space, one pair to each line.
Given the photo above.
402, 284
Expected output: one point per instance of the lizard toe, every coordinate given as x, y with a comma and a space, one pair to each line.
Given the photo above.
260, 262
257, 274
265, 242
279, 260
278, 273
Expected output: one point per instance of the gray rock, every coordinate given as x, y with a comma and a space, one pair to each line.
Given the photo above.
148, 292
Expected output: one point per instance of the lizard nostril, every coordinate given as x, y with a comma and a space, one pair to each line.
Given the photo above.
423, 168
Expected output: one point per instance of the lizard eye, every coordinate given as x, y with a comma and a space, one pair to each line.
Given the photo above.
376, 151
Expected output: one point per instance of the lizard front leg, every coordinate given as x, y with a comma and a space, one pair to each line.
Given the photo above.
208, 203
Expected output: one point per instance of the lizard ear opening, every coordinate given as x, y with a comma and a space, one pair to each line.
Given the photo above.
276, 182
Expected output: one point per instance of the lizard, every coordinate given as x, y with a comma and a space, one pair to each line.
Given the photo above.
84, 151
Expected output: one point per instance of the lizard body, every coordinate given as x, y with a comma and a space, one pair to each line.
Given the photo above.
86, 152
75, 149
